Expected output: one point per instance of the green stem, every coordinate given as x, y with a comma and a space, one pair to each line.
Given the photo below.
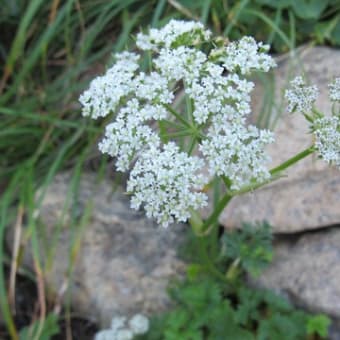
229, 195
213, 218
214, 244
177, 134
275, 172
177, 115
292, 160
216, 213
207, 261
233, 270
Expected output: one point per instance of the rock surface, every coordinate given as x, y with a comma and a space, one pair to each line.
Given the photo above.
307, 270
124, 262
309, 197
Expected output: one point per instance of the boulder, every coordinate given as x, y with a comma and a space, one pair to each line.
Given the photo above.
308, 196
124, 261
306, 269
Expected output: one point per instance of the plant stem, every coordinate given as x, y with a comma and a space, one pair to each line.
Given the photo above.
207, 261
216, 213
213, 218
275, 172
292, 160
177, 115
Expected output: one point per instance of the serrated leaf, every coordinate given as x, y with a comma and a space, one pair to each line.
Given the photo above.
252, 246
318, 324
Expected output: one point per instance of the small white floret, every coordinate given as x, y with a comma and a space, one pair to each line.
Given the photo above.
139, 324
300, 96
334, 90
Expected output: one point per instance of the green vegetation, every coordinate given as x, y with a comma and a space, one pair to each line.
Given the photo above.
49, 50
216, 308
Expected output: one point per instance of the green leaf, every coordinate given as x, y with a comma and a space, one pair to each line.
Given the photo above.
278, 4
251, 246
335, 37
325, 30
318, 324
309, 9
44, 331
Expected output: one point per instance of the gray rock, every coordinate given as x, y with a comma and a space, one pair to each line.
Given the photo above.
124, 262
308, 197
307, 270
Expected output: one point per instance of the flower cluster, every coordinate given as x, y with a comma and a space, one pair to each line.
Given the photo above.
327, 133
334, 90
121, 330
301, 97
231, 146
247, 55
191, 32
156, 135
105, 92
325, 129
163, 181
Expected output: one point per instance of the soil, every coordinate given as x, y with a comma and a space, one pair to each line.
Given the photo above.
26, 307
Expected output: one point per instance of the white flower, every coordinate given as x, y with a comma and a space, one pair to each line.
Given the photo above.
301, 97
124, 334
105, 92
237, 152
246, 55
118, 322
334, 90
106, 334
216, 94
153, 87
327, 132
124, 138
189, 31
180, 63
139, 324
164, 181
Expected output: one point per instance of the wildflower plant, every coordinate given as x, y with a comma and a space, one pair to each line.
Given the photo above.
180, 126
181, 122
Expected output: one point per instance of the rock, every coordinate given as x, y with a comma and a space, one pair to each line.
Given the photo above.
334, 331
289, 206
307, 270
124, 262
308, 197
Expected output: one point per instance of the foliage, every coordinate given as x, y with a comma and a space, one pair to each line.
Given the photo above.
43, 330
48, 50
252, 247
283, 24
318, 324
207, 307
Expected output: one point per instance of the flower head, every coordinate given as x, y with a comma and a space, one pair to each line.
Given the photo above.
327, 133
155, 133
300, 96
105, 92
247, 55
334, 90
139, 324
165, 181
176, 32
237, 152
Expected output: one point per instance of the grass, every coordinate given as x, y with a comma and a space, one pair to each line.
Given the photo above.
48, 52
